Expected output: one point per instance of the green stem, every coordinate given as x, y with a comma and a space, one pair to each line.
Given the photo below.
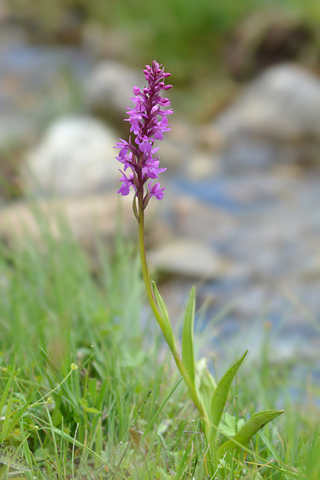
155, 310
145, 271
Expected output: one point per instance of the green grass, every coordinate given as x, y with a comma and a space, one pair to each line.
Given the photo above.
85, 395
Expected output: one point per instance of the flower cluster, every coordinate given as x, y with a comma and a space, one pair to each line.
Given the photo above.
148, 122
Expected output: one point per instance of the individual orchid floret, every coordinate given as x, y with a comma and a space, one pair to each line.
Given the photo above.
148, 122
127, 182
156, 191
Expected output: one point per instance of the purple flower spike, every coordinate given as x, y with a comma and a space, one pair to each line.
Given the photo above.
148, 122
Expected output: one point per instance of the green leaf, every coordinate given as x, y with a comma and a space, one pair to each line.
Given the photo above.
257, 421
167, 329
220, 396
91, 410
9, 456
229, 424
205, 386
187, 337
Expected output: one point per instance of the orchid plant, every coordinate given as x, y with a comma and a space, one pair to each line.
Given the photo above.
140, 172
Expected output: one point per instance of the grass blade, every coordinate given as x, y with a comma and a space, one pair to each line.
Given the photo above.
6, 391
6, 422
155, 416
19, 414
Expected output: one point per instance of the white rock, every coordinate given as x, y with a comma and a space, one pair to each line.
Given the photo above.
109, 88
283, 104
75, 157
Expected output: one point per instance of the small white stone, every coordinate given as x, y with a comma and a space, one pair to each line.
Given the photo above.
75, 157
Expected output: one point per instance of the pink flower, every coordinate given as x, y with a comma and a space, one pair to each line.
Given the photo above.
156, 191
148, 120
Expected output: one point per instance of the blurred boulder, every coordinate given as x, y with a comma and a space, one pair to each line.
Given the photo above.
188, 259
75, 157
108, 89
268, 37
276, 116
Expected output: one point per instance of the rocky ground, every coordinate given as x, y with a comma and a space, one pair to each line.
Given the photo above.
240, 218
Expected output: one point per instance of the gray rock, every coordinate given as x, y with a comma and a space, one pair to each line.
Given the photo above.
75, 157
278, 115
283, 104
188, 259
109, 88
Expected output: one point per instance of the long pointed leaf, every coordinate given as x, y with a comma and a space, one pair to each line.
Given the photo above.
167, 332
187, 337
205, 384
257, 421
9, 456
220, 395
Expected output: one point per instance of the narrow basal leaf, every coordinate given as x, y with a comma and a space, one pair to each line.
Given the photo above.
9, 456
220, 396
187, 336
167, 329
205, 384
257, 421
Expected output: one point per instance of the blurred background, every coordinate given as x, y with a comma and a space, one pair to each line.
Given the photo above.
241, 217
